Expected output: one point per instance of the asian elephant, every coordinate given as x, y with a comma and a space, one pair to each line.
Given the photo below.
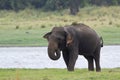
73, 40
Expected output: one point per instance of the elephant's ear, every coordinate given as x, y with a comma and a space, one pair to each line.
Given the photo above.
69, 38
46, 36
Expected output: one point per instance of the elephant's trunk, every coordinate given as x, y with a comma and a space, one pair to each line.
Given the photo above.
53, 51
54, 54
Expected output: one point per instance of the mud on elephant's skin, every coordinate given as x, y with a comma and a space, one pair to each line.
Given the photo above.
74, 40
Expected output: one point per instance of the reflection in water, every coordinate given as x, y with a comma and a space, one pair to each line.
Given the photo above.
36, 57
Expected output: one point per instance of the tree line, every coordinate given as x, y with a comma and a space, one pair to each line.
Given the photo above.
53, 4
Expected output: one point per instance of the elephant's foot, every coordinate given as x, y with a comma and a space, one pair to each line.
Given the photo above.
91, 69
98, 69
70, 69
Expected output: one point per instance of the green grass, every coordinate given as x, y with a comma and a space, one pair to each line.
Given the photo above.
26, 27
58, 74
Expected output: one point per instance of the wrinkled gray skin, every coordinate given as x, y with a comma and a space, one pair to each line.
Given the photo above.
73, 40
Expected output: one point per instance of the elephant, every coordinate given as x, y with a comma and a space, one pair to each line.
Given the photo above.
73, 40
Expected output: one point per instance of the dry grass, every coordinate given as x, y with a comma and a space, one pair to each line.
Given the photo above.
36, 22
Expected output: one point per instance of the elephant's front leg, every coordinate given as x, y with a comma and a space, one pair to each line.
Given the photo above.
73, 55
66, 57
72, 60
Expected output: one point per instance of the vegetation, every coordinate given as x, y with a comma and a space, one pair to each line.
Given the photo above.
58, 74
26, 27
51, 4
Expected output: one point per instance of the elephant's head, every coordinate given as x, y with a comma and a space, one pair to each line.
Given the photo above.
57, 40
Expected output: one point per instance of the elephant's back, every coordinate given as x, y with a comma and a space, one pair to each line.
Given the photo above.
88, 38
84, 34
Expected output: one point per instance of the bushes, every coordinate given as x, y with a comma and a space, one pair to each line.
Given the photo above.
55, 4
22, 4
50, 4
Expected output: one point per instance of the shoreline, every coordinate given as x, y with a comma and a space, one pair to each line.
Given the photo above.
54, 68
46, 46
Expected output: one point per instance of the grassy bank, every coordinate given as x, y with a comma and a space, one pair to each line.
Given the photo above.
58, 74
26, 27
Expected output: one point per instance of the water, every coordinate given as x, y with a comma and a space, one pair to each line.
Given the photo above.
36, 57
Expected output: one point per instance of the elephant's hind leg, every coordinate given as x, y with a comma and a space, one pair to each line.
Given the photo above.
97, 59
90, 63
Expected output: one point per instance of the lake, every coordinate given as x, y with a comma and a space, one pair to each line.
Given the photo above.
37, 57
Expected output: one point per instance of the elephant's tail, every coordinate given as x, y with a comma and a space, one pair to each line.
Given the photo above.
101, 41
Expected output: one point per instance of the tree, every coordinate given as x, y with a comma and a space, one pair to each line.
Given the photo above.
37, 3
84, 3
55, 4
5, 4
74, 6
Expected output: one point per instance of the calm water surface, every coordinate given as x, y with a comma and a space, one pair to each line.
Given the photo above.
36, 57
